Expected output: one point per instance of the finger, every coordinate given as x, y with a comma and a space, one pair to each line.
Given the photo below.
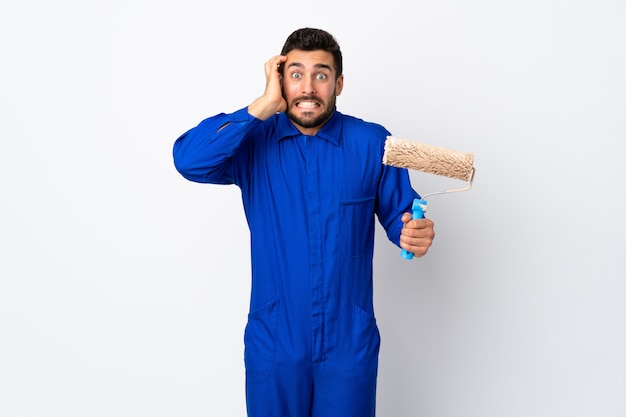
272, 64
418, 229
420, 224
418, 250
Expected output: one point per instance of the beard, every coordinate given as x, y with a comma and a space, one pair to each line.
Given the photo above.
307, 120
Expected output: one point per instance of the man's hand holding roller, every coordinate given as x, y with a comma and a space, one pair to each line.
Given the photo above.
417, 235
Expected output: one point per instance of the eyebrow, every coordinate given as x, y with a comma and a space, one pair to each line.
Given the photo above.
317, 66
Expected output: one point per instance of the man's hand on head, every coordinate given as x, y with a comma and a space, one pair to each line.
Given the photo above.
272, 100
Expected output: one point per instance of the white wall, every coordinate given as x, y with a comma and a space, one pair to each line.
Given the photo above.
124, 288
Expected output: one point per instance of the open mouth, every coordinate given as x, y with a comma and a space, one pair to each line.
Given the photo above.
307, 104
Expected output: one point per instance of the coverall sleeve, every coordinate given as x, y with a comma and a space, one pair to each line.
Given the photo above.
205, 153
395, 197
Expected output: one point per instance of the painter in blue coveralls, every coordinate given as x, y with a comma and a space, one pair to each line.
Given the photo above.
312, 183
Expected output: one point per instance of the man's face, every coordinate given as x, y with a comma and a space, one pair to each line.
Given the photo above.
310, 88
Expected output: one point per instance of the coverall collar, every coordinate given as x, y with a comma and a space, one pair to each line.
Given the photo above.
331, 130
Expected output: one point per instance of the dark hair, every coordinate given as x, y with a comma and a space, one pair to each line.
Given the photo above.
310, 39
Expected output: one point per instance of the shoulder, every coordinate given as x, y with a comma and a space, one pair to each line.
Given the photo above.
275, 127
354, 126
353, 122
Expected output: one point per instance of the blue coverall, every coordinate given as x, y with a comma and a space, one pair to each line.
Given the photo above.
311, 341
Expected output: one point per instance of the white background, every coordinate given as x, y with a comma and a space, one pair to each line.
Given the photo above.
124, 288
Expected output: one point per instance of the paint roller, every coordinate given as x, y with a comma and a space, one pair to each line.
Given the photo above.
403, 153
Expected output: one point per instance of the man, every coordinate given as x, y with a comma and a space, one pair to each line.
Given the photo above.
312, 182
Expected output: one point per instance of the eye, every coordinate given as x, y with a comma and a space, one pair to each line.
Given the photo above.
296, 75
321, 76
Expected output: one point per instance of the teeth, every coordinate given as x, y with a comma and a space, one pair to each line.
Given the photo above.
307, 104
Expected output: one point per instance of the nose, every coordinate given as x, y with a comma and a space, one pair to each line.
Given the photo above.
308, 85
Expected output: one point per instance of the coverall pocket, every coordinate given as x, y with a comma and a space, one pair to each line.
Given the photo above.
260, 341
366, 342
356, 221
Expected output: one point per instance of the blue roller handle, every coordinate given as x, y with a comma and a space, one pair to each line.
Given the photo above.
419, 207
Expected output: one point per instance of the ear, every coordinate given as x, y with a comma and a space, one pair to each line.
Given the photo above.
339, 85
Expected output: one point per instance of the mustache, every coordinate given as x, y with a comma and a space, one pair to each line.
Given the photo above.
309, 98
